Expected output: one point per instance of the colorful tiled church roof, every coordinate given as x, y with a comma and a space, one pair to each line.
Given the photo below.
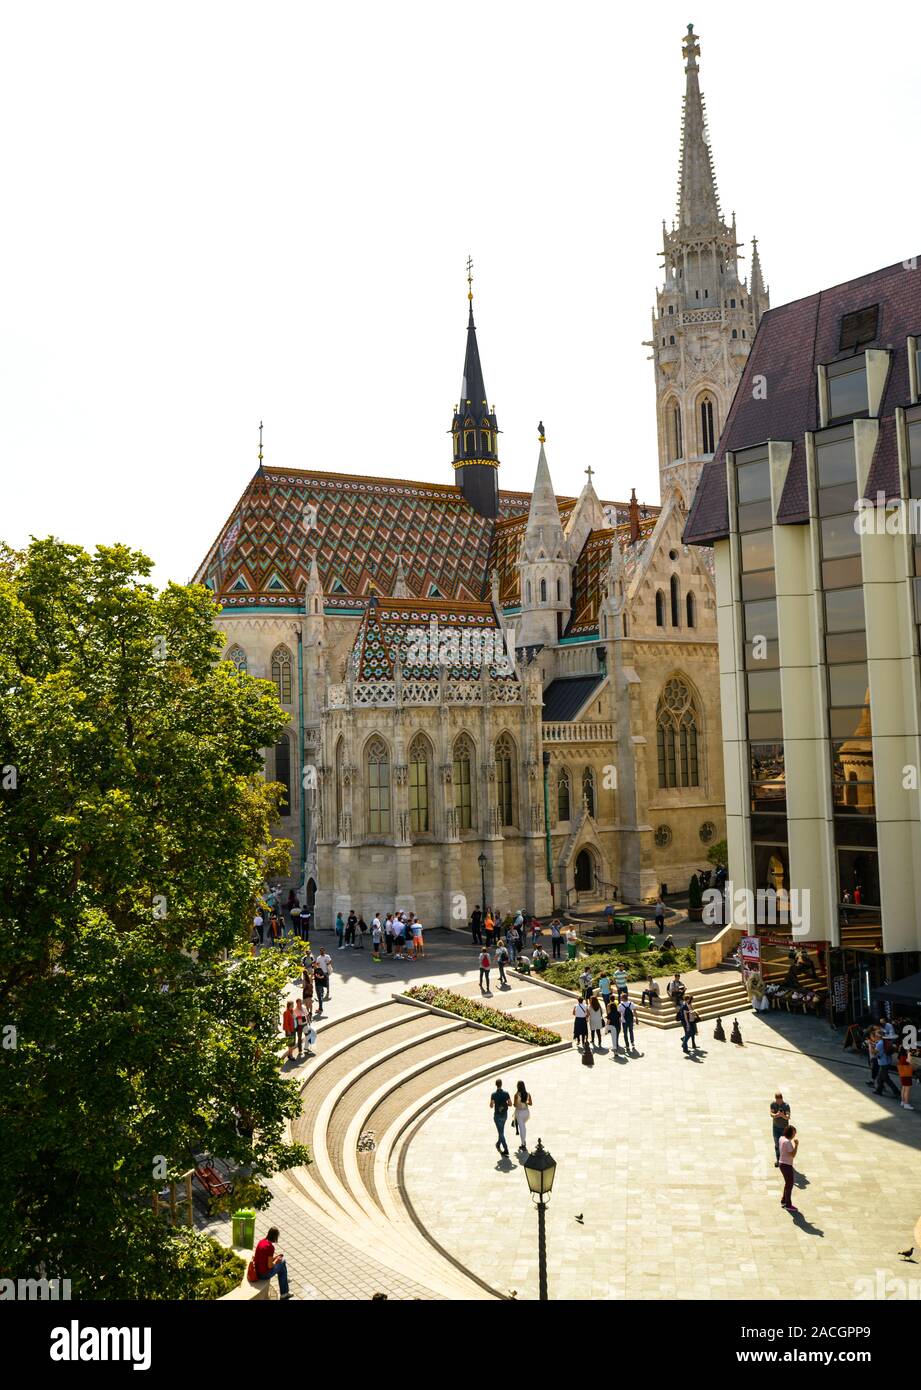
425, 637
360, 529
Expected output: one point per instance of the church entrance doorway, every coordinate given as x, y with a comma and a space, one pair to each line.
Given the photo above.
585, 874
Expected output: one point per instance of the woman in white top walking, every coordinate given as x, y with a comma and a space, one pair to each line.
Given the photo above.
596, 1019
522, 1105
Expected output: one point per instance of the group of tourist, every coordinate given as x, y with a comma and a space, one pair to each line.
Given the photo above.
273, 922
399, 933
488, 928
884, 1053
607, 1007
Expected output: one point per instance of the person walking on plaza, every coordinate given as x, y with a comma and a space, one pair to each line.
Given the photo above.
268, 1265
885, 1049
300, 1023
613, 1012
523, 1105
596, 1020
340, 931
556, 938
693, 1019
322, 969
307, 993
660, 916
289, 1028
787, 1149
476, 926
627, 1017
586, 982
502, 962
604, 987
499, 1103
682, 1016
906, 1076
484, 971
580, 1024
780, 1118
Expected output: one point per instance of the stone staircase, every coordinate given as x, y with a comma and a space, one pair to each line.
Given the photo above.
725, 997
375, 1074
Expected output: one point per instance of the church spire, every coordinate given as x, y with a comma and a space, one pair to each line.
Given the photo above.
698, 200
475, 431
759, 295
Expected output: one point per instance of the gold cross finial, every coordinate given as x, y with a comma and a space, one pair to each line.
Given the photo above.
470, 278
260, 443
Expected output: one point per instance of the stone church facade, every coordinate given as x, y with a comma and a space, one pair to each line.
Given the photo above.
495, 695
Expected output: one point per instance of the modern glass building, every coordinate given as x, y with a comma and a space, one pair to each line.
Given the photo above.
812, 504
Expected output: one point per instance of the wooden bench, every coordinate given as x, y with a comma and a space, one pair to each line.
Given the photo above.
212, 1182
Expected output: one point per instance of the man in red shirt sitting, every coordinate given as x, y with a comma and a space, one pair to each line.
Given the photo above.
269, 1265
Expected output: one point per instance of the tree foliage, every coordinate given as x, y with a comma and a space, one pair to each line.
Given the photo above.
134, 840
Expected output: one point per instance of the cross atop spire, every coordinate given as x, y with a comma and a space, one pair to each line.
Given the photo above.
590, 470
260, 443
470, 278
691, 48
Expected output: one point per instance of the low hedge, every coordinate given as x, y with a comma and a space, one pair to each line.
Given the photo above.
638, 965
481, 1013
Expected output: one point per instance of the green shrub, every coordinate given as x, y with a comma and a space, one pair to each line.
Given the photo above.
719, 853
638, 965
204, 1269
480, 1013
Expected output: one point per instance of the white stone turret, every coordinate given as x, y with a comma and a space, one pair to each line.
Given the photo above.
544, 565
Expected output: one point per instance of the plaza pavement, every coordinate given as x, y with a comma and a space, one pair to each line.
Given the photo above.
670, 1162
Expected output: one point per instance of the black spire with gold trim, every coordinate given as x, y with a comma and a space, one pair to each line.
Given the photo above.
475, 432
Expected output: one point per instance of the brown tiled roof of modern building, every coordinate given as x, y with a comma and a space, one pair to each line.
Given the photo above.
792, 340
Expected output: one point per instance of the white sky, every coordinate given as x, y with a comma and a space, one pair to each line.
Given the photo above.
221, 213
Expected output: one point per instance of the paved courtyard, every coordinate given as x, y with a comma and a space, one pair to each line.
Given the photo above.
670, 1163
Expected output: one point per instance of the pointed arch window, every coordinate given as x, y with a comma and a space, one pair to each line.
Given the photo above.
419, 785
660, 608
283, 774
377, 777
463, 783
563, 799
238, 656
486, 437
675, 592
707, 425
505, 780
281, 673
340, 749
677, 736
543, 591
529, 591
673, 425
588, 789
690, 604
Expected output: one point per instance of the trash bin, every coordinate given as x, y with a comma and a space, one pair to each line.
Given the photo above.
244, 1228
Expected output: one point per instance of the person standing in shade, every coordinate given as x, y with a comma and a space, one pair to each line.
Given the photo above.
780, 1118
476, 926
362, 932
513, 942
660, 916
388, 933
556, 938
586, 982
613, 1012
304, 919
499, 1103
906, 1077
884, 1051
627, 1017
340, 931
787, 1149
596, 1020
484, 971
580, 1023
351, 923
523, 1105
258, 923
418, 940
488, 927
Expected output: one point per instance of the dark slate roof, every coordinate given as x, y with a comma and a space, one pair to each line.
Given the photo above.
791, 341
564, 698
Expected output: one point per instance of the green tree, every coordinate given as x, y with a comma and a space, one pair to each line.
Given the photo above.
134, 839
719, 853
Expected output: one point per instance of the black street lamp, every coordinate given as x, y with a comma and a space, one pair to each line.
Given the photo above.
540, 1170
482, 861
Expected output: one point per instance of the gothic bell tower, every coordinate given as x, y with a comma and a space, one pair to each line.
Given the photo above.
474, 428
706, 315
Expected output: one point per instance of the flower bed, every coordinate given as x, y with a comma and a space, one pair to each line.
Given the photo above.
638, 965
481, 1013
